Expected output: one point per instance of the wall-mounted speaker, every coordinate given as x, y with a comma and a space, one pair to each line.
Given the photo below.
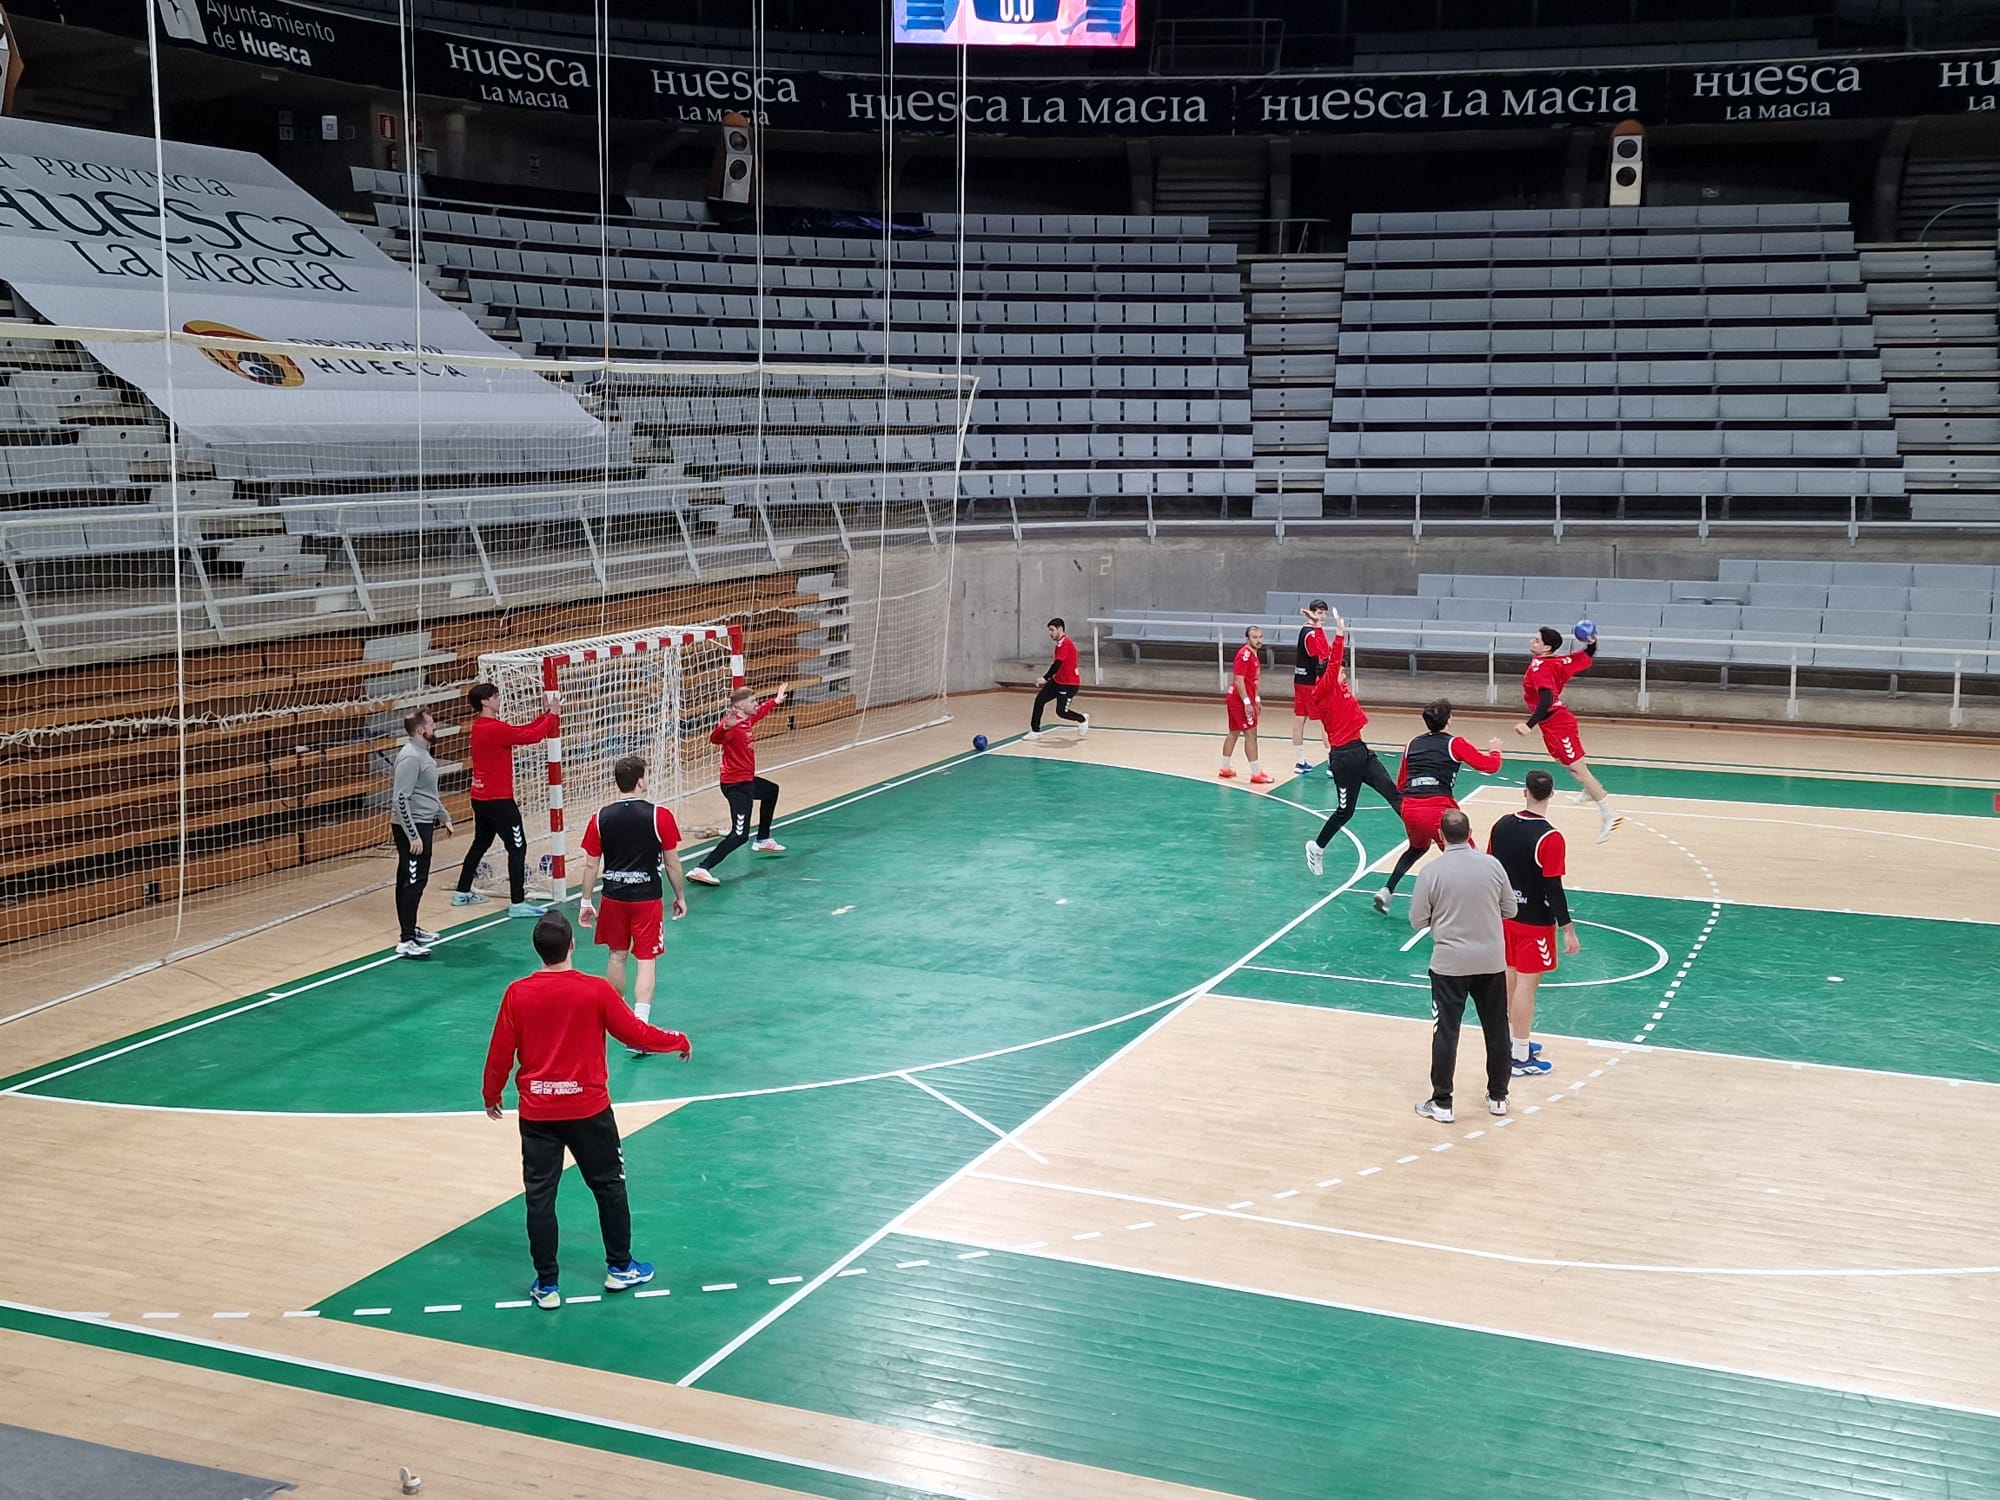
1628, 163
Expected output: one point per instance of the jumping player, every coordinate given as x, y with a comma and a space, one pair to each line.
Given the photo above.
1309, 663
1244, 707
1059, 684
1549, 668
742, 788
495, 813
1533, 854
1350, 762
631, 839
1430, 765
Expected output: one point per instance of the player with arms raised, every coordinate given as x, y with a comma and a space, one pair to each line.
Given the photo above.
1431, 764
1245, 707
1349, 761
1549, 669
1309, 664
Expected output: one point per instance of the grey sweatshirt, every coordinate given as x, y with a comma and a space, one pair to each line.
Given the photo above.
414, 800
1462, 896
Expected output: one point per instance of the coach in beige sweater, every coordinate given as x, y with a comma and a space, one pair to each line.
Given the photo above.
1462, 898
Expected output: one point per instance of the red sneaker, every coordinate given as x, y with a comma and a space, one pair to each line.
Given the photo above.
1227, 773
1260, 779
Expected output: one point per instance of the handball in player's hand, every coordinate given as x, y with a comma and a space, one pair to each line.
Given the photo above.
979, 742
1585, 631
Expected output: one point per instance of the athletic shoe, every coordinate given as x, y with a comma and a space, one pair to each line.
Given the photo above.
1315, 858
766, 846
1612, 823
1430, 1109
1496, 1106
545, 1294
1260, 779
1083, 728
1227, 773
1534, 1049
412, 950
1382, 902
701, 876
426, 936
624, 1278
467, 898
525, 909
1533, 1067
1032, 734
1302, 767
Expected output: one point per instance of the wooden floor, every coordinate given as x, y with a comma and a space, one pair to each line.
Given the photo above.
1734, 1213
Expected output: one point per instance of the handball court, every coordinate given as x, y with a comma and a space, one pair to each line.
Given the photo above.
1049, 1131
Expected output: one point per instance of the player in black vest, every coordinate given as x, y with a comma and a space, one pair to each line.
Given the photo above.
1535, 857
1430, 767
631, 839
1310, 659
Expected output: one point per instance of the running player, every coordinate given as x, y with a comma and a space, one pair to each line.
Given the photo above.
631, 839
495, 813
1309, 663
1549, 668
1430, 765
742, 788
1244, 707
1059, 684
1533, 854
1349, 762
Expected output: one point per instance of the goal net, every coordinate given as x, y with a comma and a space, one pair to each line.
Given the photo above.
655, 694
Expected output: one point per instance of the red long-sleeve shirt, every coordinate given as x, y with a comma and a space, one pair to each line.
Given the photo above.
554, 1022
1063, 671
739, 750
493, 741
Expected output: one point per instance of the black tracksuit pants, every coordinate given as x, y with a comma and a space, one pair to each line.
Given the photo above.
600, 1160
1353, 765
743, 797
498, 817
413, 873
1488, 993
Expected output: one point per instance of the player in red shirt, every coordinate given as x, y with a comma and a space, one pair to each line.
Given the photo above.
1349, 762
1310, 659
1059, 683
1430, 765
495, 813
1244, 706
631, 839
1549, 670
554, 1023
1534, 857
742, 787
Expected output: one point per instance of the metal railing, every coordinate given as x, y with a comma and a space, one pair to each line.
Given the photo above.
1229, 632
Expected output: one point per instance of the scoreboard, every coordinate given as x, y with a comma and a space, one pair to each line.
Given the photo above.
1018, 23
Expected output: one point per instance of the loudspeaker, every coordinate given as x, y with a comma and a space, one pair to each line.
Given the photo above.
1628, 163
735, 161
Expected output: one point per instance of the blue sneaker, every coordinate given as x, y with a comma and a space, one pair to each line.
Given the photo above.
1302, 766
545, 1294
1533, 1067
467, 898
624, 1278
525, 909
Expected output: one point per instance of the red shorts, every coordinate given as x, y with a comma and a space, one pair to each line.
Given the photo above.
1302, 701
1420, 820
1241, 715
631, 926
1530, 950
1564, 740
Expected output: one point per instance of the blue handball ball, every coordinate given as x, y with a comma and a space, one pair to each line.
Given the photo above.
979, 742
1586, 631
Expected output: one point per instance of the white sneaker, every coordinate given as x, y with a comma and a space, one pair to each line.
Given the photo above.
702, 877
426, 937
412, 950
766, 846
1612, 823
1382, 902
1430, 1109
1032, 734
1496, 1106
1083, 728
1315, 858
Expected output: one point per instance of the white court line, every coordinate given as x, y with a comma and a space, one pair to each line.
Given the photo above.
502, 1403
1887, 833
1168, 1007
1521, 1335
1416, 938
980, 1120
1659, 962
1787, 1273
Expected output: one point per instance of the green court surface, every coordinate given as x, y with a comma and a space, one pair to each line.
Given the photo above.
992, 932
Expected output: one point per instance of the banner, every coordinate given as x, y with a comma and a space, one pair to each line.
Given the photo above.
248, 255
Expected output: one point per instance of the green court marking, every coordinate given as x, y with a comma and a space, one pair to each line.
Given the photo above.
959, 913
580, 1429
1283, 1400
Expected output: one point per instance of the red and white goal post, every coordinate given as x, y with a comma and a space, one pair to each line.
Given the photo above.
653, 693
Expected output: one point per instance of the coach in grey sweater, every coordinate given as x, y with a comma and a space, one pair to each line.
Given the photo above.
1463, 898
417, 820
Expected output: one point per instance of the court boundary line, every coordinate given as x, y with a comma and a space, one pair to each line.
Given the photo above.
256, 1355
980, 1120
1169, 1008
1572, 984
1517, 1335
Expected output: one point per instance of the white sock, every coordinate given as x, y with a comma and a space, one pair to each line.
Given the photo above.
1521, 1053
1225, 765
643, 1012
1256, 768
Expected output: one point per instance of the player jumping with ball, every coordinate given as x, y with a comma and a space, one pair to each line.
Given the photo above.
1549, 669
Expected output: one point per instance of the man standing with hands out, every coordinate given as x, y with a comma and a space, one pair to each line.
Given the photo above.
495, 813
1245, 707
1464, 897
742, 788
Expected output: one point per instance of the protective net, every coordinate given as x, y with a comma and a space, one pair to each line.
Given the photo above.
216, 629
655, 694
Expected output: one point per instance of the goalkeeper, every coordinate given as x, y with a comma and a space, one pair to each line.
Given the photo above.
742, 787
495, 813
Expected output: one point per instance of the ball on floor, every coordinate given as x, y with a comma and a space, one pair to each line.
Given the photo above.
979, 742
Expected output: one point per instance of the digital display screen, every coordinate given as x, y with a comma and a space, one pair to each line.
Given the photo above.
1018, 23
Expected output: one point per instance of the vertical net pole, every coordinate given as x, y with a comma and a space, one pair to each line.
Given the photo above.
558, 867
735, 656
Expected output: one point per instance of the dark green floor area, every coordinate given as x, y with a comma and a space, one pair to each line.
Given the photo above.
1272, 1398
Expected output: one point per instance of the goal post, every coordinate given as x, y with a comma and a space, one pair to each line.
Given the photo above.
654, 693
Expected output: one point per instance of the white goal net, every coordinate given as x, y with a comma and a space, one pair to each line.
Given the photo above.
655, 694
